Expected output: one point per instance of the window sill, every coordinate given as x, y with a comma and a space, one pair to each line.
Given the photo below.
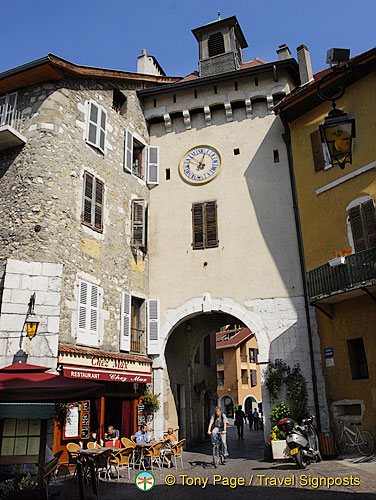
100, 231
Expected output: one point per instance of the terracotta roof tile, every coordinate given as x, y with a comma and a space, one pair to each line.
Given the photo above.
239, 337
70, 349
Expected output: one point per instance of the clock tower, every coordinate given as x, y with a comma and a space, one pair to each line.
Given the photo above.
220, 46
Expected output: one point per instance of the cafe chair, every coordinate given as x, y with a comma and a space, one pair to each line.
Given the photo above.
133, 438
49, 473
102, 463
91, 446
154, 454
177, 450
72, 449
122, 458
127, 443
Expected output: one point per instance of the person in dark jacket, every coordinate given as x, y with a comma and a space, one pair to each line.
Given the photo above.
239, 422
250, 419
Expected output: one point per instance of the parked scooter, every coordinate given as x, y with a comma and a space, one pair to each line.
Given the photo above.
302, 441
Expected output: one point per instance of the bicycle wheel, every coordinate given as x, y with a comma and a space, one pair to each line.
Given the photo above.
222, 456
365, 444
340, 444
215, 456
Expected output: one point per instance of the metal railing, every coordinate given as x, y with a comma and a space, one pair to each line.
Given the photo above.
11, 116
358, 268
137, 341
243, 358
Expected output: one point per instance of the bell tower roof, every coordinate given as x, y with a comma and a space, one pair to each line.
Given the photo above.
230, 22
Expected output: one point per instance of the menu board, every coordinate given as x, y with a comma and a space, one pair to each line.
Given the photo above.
22, 427
85, 432
20, 446
7, 446
9, 427
21, 437
85, 405
33, 446
34, 427
72, 423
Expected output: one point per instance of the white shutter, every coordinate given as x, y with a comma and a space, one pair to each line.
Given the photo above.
153, 165
128, 151
88, 314
101, 139
125, 322
153, 326
138, 224
92, 124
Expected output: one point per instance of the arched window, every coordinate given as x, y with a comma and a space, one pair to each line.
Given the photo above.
216, 44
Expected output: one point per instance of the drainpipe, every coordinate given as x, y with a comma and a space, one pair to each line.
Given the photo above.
287, 139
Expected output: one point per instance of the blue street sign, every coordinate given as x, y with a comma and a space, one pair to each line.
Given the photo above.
328, 352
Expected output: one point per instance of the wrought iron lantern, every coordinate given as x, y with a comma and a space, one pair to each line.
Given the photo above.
337, 132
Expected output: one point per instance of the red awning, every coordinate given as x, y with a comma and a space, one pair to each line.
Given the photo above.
22, 382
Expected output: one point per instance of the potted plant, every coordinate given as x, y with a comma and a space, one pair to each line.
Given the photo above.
277, 439
339, 258
151, 404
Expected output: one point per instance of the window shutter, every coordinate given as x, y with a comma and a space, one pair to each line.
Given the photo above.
98, 209
88, 314
211, 224
357, 229
153, 326
318, 156
128, 151
139, 224
198, 225
101, 140
88, 198
369, 221
253, 378
125, 322
92, 124
153, 165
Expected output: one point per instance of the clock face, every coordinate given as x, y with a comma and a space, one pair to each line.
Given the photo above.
200, 165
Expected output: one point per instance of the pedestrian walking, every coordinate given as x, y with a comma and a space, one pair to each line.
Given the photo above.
240, 418
256, 419
250, 419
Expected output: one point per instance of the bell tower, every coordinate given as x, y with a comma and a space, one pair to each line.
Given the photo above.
220, 46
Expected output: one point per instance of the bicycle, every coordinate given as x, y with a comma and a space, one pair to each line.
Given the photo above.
362, 440
218, 450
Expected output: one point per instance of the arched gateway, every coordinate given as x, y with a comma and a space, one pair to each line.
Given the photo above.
184, 373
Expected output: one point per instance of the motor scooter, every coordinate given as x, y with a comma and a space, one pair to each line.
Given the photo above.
302, 441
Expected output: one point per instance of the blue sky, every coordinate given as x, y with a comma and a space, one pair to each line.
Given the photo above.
111, 33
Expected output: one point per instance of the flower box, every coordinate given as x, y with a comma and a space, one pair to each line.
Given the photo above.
280, 450
337, 261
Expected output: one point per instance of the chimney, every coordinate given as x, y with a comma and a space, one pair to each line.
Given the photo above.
305, 66
283, 52
148, 65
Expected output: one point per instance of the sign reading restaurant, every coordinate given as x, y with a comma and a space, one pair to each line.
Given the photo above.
108, 363
106, 375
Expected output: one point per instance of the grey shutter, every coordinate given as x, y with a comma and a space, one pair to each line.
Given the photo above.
369, 222
128, 151
153, 165
92, 124
139, 224
318, 155
88, 314
253, 378
357, 229
125, 322
87, 208
153, 326
211, 224
101, 139
198, 225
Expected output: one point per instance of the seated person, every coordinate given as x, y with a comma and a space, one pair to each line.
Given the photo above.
94, 439
168, 441
170, 438
141, 436
112, 434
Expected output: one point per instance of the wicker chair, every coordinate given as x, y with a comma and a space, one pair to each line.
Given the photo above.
127, 443
154, 453
92, 446
133, 438
177, 450
102, 462
122, 458
72, 449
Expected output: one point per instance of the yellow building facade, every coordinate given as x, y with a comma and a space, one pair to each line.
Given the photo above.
337, 214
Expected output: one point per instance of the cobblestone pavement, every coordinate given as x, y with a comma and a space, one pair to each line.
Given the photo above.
262, 479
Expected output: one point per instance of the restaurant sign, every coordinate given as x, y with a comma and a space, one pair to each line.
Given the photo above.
106, 375
108, 363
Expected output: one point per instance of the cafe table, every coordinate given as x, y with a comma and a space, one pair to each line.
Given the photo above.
84, 454
140, 447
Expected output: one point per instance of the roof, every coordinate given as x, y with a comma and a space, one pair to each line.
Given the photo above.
241, 336
249, 64
80, 351
53, 67
232, 21
305, 97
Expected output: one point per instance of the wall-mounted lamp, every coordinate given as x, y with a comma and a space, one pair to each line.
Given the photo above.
32, 322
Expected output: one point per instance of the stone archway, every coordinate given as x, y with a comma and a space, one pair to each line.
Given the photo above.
227, 403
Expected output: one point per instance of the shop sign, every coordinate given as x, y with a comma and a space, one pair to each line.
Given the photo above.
104, 362
105, 375
328, 352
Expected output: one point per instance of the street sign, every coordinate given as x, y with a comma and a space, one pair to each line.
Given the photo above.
328, 352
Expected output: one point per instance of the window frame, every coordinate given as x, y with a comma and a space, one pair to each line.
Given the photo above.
357, 212
83, 334
355, 361
142, 225
98, 124
93, 202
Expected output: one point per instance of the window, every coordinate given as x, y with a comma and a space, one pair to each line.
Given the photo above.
244, 377
21, 437
236, 86
168, 174
96, 126
276, 155
363, 225
207, 356
119, 102
92, 210
132, 325
204, 225
140, 160
236, 151
8, 108
221, 378
358, 359
139, 224
88, 314
253, 378
216, 44
253, 355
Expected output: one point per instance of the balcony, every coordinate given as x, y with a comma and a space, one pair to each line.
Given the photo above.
358, 271
11, 123
137, 343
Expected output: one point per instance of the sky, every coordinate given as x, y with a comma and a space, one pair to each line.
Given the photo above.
112, 33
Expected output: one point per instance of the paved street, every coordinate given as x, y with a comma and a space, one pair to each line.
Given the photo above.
245, 461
